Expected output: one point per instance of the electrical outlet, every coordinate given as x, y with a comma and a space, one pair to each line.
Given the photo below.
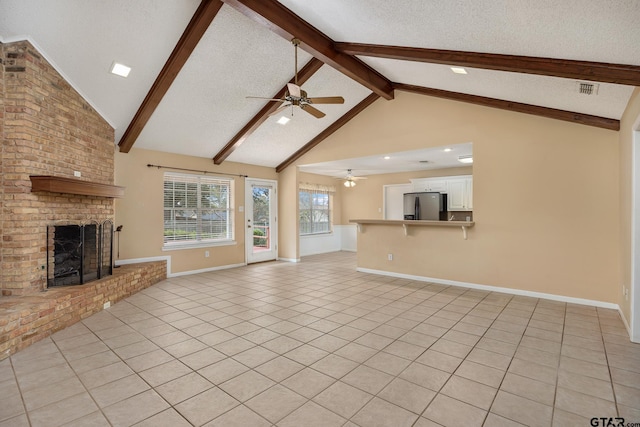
77, 174
206, 254
106, 305
390, 257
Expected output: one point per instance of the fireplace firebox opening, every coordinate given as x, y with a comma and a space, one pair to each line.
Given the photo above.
79, 253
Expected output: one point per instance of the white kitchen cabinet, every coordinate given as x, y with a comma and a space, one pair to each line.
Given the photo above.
460, 195
430, 184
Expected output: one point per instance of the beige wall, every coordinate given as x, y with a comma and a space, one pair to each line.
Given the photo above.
288, 212
547, 200
629, 119
546, 197
141, 210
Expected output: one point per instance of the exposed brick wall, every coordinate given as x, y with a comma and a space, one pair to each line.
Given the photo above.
1, 156
25, 320
48, 129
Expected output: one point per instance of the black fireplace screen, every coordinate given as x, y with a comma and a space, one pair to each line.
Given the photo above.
79, 253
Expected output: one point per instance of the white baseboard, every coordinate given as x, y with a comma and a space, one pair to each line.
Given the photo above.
326, 251
288, 259
206, 270
168, 260
626, 324
520, 292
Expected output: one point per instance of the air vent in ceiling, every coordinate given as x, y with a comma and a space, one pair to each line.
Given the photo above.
425, 161
587, 88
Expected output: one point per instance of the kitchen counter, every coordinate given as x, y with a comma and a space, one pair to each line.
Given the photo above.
413, 223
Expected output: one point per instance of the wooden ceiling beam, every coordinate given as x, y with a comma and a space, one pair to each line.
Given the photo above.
580, 70
287, 24
552, 113
303, 75
328, 131
198, 25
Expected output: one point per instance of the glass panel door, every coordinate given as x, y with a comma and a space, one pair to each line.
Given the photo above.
260, 216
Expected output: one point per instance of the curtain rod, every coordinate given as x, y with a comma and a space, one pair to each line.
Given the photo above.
195, 170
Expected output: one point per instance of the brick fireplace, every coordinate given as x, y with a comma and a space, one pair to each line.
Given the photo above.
50, 134
47, 128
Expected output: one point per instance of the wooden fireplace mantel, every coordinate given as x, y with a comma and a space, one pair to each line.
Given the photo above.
57, 184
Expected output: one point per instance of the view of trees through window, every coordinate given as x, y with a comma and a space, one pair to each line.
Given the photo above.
315, 212
261, 224
197, 208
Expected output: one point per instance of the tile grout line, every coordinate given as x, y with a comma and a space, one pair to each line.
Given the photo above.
15, 378
482, 336
606, 357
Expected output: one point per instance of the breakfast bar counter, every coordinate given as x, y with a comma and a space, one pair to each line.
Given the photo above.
413, 223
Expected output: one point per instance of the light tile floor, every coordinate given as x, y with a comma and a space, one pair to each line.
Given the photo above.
319, 344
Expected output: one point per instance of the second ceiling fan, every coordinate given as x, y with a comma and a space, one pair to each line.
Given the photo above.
295, 96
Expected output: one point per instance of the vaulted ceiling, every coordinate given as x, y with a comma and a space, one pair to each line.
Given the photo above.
195, 62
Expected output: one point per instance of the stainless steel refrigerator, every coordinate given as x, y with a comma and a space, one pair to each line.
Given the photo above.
425, 206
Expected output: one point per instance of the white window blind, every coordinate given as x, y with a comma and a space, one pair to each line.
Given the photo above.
197, 209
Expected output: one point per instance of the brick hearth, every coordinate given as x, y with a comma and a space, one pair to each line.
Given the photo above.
25, 320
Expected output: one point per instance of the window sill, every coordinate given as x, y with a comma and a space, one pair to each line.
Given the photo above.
181, 246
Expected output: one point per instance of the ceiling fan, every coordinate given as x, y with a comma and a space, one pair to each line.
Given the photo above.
350, 179
295, 96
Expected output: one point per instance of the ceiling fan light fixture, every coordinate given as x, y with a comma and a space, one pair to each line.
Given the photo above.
349, 183
120, 69
465, 159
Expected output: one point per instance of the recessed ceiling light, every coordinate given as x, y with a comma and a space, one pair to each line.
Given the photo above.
386, 157
120, 69
458, 70
283, 120
465, 159
446, 150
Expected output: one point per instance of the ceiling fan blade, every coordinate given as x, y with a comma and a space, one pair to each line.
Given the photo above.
280, 109
268, 99
327, 100
294, 90
313, 111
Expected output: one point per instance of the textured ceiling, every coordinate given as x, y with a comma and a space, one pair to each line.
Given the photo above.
281, 141
82, 38
587, 30
207, 105
553, 92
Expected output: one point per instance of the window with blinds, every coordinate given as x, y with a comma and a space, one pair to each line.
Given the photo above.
197, 209
315, 211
